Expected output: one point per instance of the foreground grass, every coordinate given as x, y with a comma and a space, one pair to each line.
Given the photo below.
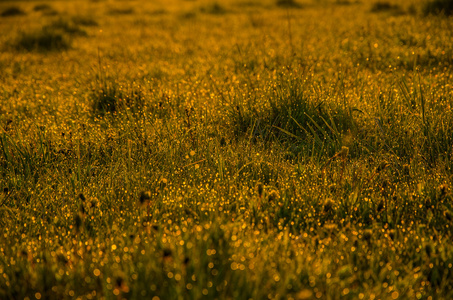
226, 150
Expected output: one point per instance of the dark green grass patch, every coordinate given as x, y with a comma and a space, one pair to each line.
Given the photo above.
42, 7
383, 6
68, 27
43, 40
215, 9
288, 3
111, 96
438, 7
121, 11
84, 20
56, 36
12, 11
293, 117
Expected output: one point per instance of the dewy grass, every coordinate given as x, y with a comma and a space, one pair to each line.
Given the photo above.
110, 96
53, 37
67, 27
436, 7
165, 156
12, 11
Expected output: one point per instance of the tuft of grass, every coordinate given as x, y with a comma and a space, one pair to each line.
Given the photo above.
84, 20
45, 39
42, 7
383, 6
68, 27
121, 11
55, 36
438, 7
110, 96
214, 9
294, 118
12, 11
288, 3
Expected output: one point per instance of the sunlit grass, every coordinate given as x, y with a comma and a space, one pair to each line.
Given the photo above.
230, 150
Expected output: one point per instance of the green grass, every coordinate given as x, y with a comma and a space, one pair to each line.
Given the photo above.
443, 7
233, 150
12, 11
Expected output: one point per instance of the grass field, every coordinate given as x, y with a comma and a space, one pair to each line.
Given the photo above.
238, 149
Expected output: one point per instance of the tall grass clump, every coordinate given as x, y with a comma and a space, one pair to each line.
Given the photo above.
121, 11
42, 7
111, 96
55, 36
214, 9
84, 20
383, 6
69, 27
315, 123
287, 3
45, 9
12, 11
293, 116
45, 39
438, 7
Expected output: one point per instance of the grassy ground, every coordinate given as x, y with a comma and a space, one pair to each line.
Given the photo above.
233, 149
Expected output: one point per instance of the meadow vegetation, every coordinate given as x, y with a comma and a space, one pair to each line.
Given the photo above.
238, 149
